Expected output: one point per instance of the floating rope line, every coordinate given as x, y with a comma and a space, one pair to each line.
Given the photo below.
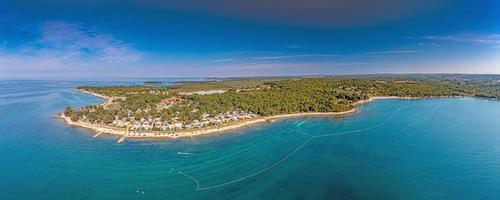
192, 178
360, 130
198, 188
310, 138
253, 146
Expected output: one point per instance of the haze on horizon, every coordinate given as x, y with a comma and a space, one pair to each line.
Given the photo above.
153, 38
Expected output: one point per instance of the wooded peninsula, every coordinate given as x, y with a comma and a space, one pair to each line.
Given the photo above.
145, 111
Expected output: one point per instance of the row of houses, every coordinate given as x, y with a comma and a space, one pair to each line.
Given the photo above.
150, 123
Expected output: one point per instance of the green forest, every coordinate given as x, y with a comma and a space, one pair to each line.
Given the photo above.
270, 97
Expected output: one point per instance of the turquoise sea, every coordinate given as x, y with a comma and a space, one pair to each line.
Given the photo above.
390, 149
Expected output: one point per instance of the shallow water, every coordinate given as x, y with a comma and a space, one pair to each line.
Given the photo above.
390, 149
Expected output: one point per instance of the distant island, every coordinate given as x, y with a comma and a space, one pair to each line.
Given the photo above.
199, 108
152, 82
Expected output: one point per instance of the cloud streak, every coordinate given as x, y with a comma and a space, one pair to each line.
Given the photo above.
391, 52
293, 56
67, 45
473, 38
293, 46
222, 60
74, 41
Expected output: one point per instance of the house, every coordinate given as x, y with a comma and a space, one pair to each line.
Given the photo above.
168, 126
217, 120
178, 125
119, 123
135, 127
145, 126
197, 123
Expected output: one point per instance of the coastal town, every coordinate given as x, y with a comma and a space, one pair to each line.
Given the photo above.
151, 123
154, 125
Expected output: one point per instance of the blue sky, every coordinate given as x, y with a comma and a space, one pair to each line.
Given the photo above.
193, 38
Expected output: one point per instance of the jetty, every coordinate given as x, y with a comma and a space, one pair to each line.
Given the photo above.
96, 135
121, 140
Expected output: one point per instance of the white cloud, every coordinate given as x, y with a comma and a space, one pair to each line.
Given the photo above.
428, 44
293, 56
474, 38
392, 52
62, 45
75, 41
222, 60
293, 46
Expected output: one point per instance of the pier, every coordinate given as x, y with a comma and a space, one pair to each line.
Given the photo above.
121, 140
96, 135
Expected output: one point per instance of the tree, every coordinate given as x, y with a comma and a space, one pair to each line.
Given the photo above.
68, 111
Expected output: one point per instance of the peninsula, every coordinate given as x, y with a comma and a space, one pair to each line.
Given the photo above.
201, 108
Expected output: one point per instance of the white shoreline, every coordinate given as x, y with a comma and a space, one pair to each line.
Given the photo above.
190, 133
94, 94
205, 131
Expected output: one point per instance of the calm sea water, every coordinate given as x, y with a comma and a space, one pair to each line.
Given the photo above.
390, 149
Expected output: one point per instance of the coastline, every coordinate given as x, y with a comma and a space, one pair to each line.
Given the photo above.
100, 129
386, 97
94, 94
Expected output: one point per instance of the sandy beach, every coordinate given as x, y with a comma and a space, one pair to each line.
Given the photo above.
104, 129
94, 94
99, 129
384, 97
